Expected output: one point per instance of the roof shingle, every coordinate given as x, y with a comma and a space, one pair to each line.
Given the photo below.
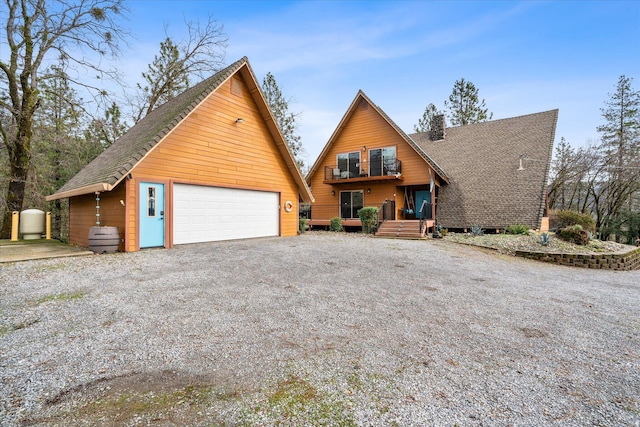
486, 188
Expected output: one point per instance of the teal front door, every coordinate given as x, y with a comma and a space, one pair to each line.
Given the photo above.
421, 197
151, 215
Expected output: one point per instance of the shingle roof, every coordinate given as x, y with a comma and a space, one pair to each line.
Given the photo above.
359, 96
482, 160
112, 165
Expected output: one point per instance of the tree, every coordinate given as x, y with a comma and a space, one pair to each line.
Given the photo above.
603, 179
57, 130
424, 124
171, 70
36, 31
464, 106
619, 152
286, 121
560, 171
105, 131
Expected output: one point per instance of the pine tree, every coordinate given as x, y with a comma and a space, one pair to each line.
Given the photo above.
177, 64
618, 175
424, 124
286, 121
464, 106
165, 78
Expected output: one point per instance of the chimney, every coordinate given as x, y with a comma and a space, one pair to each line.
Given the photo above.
438, 125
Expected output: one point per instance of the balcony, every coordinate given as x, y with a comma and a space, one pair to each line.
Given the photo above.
391, 170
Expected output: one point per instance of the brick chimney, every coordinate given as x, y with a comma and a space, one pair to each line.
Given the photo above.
438, 125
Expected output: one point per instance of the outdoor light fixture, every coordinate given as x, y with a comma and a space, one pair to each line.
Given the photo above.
522, 157
333, 193
239, 120
364, 148
368, 191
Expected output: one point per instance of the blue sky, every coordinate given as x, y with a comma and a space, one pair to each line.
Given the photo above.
524, 57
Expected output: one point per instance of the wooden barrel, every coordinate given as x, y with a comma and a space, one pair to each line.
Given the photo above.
104, 239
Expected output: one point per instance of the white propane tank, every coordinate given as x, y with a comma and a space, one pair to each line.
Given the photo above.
32, 224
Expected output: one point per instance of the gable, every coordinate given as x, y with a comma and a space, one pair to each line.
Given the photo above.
107, 170
211, 147
365, 126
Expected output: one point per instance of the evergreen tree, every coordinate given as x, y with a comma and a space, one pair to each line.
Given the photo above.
618, 174
165, 78
424, 124
286, 121
176, 65
57, 134
102, 132
464, 107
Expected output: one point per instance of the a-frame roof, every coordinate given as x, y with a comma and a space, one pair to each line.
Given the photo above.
487, 187
107, 170
345, 119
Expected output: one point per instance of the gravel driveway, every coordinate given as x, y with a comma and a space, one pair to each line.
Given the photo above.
321, 329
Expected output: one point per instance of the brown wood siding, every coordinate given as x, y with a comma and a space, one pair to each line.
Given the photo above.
366, 128
210, 148
82, 215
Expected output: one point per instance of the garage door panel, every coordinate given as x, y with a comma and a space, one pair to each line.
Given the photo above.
204, 214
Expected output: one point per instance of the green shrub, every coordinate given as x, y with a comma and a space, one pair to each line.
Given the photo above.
302, 225
518, 229
440, 231
545, 239
477, 231
574, 234
336, 224
369, 218
564, 219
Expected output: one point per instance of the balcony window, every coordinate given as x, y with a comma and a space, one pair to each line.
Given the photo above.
349, 164
383, 161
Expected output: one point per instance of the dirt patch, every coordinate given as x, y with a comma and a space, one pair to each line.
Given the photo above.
151, 398
533, 333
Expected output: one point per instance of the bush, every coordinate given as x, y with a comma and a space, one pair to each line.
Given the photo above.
545, 239
336, 224
477, 231
518, 229
574, 234
369, 218
302, 225
563, 219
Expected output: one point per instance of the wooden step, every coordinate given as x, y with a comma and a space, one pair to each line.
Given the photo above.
400, 229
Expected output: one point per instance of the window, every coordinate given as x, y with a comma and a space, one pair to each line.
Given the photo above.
151, 202
350, 203
349, 164
382, 161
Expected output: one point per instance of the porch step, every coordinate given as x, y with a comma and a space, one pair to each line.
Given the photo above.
400, 229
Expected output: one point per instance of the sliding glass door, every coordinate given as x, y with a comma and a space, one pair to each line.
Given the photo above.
350, 203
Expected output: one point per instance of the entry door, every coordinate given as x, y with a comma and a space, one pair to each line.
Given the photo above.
422, 196
151, 215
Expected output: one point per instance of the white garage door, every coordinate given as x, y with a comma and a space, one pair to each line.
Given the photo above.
205, 214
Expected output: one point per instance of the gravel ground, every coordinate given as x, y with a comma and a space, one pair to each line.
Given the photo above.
321, 329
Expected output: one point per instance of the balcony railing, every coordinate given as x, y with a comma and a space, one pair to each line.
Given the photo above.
391, 168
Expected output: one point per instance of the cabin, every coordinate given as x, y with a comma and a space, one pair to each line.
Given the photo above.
208, 165
370, 161
490, 175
